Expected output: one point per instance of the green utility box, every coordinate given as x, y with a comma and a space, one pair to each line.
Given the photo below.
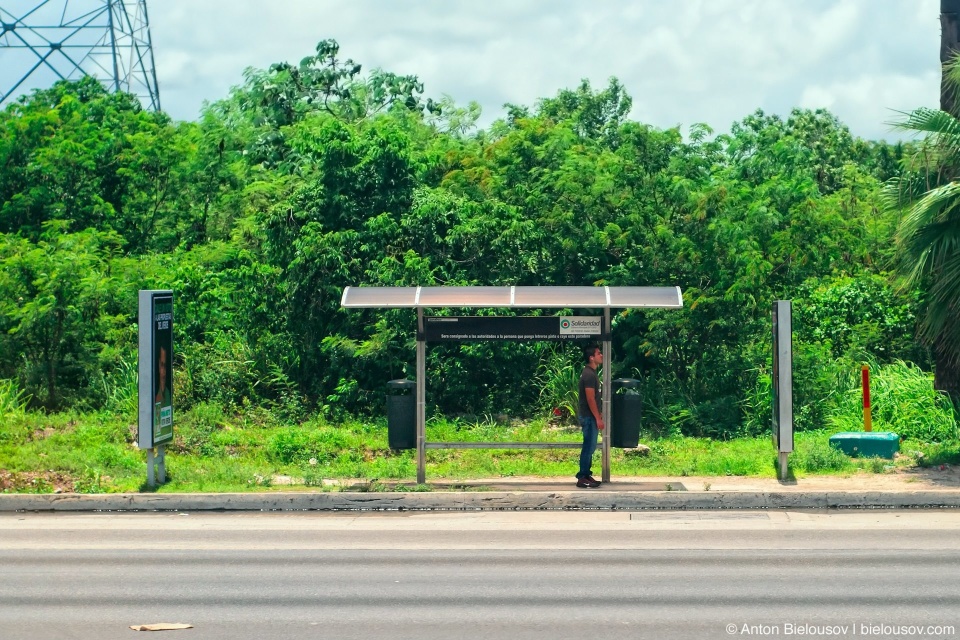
866, 444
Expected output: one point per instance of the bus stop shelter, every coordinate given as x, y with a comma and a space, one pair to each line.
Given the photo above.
453, 328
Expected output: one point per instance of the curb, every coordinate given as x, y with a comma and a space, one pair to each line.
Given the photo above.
481, 501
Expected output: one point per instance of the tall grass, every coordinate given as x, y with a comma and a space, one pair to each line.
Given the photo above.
903, 401
757, 402
830, 397
120, 388
558, 379
13, 411
13, 400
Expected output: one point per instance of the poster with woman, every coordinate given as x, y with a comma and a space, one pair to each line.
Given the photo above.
156, 368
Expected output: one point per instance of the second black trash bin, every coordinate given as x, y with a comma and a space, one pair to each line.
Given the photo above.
402, 414
626, 401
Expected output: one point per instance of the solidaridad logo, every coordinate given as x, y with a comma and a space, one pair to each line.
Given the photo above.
565, 324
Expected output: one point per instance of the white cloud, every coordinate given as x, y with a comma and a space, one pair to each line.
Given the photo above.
683, 61
875, 99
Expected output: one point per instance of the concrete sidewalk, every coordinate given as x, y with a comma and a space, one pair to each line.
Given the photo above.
919, 488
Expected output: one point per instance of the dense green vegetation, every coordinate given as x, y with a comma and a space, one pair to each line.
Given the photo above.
311, 177
254, 449
217, 451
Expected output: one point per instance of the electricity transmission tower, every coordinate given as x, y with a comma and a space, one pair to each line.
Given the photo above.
42, 41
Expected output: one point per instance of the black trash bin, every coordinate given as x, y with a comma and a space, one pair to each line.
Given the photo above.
402, 414
625, 430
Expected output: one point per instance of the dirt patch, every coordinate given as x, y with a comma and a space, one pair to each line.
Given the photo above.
35, 482
40, 434
934, 476
897, 479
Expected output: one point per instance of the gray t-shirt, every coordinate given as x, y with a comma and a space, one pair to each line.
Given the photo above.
588, 379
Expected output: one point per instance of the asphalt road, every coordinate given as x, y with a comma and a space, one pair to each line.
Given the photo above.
551, 575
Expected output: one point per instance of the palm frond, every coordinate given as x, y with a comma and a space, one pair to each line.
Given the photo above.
927, 120
903, 191
941, 322
951, 72
941, 146
928, 236
931, 209
940, 329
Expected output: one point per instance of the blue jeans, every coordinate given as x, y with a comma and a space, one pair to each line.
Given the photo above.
590, 431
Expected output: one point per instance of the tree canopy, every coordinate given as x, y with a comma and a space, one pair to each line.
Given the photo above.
314, 176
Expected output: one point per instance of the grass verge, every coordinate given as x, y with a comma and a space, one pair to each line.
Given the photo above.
216, 451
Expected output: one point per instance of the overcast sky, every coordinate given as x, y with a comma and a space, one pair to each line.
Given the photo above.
682, 61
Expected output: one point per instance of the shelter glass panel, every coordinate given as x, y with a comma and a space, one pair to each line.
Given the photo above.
384, 297
465, 297
589, 297
631, 297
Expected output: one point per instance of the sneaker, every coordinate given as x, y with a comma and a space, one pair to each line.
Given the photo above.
591, 478
587, 483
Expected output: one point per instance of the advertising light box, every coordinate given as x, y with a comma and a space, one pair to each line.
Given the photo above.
155, 368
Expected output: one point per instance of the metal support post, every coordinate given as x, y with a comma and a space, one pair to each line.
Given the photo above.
161, 464
783, 381
605, 470
421, 403
151, 482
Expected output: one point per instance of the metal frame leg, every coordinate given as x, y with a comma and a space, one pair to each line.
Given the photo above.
605, 470
421, 404
162, 464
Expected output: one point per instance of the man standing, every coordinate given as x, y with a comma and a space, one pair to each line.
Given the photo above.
588, 413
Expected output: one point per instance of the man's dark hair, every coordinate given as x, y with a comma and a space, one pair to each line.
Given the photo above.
589, 350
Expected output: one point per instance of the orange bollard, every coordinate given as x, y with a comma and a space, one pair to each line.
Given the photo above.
867, 419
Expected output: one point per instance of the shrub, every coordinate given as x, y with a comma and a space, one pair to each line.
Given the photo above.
815, 454
297, 445
196, 428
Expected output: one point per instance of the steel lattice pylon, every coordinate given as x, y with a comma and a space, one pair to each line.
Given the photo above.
48, 40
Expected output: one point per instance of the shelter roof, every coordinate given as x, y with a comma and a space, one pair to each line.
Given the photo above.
513, 297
